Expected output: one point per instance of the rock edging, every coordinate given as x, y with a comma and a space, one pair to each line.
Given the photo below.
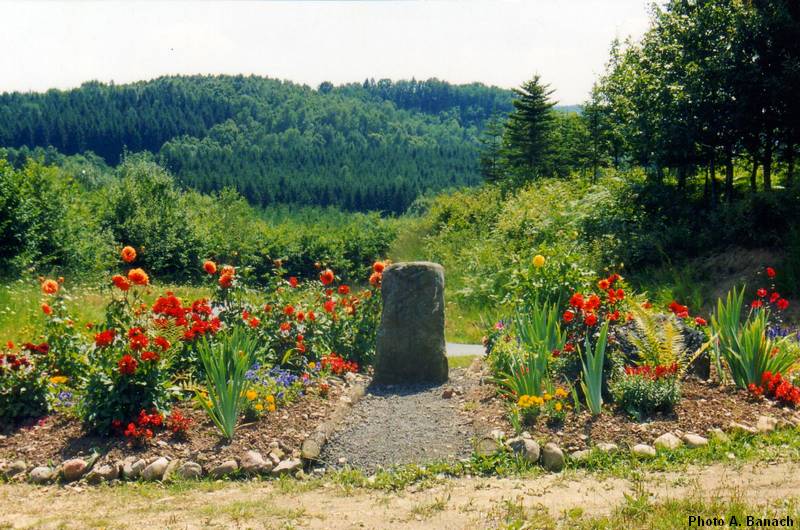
313, 444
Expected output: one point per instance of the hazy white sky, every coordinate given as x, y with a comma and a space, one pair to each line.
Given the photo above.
500, 42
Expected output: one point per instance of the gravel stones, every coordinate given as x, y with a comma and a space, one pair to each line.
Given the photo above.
405, 424
410, 341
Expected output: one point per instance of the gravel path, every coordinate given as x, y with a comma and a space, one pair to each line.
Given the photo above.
403, 424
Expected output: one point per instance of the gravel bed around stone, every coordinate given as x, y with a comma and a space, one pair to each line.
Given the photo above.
404, 424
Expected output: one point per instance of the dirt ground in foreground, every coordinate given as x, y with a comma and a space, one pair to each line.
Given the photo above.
463, 503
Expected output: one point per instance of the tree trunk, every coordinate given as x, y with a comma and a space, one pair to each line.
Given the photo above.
682, 176
768, 162
712, 170
705, 186
754, 173
728, 174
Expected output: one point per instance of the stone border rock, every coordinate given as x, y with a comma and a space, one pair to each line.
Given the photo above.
313, 444
551, 456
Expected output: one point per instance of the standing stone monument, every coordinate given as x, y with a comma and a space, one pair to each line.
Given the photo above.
411, 346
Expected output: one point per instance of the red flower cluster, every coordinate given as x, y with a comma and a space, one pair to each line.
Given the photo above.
41, 348
10, 361
764, 298
681, 311
137, 340
120, 282
587, 307
105, 338
774, 386
142, 428
651, 372
338, 365
178, 423
127, 365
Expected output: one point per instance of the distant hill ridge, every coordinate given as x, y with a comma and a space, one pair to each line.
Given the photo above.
361, 146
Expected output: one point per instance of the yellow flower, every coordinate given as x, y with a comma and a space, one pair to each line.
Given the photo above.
560, 392
558, 406
538, 261
312, 366
547, 397
271, 408
58, 379
271, 399
251, 395
259, 407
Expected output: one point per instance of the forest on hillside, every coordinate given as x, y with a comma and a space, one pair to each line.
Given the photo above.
369, 146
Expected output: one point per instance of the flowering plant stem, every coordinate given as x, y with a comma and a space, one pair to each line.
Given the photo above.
225, 364
592, 362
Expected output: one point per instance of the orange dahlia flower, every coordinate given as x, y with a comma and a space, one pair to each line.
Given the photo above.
128, 254
210, 267
49, 287
138, 276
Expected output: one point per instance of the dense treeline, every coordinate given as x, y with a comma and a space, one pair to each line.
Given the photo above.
74, 216
370, 146
711, 87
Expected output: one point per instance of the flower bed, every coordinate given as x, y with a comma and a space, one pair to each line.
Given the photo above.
245, 369
605, 366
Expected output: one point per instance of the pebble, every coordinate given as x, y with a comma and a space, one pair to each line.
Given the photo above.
766, 424
42, 475
155, 471
224, 469
718, 435
605, 447
526, 448
667, 441
189, 471
287, 466
580, 456
132, 469
15, 468
73, 469
694, 440
643, 450
552, 457
253, 463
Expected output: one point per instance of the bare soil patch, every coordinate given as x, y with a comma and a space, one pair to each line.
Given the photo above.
59, 437
462, 503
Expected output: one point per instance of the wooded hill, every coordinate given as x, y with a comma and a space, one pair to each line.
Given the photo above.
369, 146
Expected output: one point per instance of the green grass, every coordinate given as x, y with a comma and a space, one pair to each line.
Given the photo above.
460, 362
640, 512
21, 316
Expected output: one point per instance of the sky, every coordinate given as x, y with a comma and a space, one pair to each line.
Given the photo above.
498, 42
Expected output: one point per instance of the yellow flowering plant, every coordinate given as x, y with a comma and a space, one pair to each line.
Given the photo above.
552, 405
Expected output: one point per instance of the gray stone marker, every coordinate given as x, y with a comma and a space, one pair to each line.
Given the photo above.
411, 346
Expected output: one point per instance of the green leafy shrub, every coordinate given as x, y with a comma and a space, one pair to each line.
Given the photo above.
644, 390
